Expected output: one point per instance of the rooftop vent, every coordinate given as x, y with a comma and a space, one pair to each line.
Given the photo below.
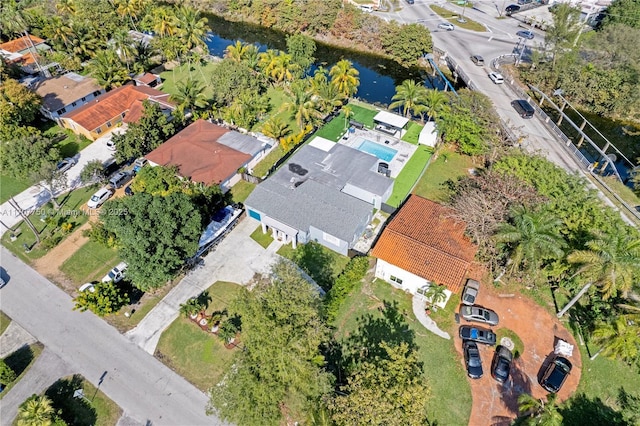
297, 169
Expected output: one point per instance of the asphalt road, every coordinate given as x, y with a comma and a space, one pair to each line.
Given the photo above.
148, 391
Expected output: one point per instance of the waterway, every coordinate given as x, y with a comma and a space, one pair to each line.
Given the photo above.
379, 76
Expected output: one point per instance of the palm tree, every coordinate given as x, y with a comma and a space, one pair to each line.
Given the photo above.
435, 102
36, 411
283, 68
85, 40
409, 95
275, 128
164, 21
66, 7
267, 61
326, 94
620, 337
540, 412
436, 294
143, 54
123, 43
302, 107
131, 9
348, 113
192, 28
345, 78
237, 52
189, 96
533, 237
191, 308
107, 68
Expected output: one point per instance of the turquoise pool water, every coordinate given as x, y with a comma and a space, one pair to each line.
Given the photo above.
382, 152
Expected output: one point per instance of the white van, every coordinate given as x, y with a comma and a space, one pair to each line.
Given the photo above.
366, 8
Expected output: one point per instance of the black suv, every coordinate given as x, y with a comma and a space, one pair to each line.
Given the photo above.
555, 374
501, 364
512, 8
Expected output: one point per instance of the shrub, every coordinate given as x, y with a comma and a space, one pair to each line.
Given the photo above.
346, 281
7, 375
98, 234
51, 242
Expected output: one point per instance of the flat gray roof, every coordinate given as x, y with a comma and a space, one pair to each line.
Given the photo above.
243, 143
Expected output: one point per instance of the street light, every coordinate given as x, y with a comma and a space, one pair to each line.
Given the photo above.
464, 8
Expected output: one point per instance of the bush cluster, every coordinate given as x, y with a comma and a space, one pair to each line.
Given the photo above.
346, 281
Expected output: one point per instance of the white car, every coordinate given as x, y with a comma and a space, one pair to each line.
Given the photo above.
470, 292
87, 287
111, 145
496, 77
99, 197
446, 26
116, 274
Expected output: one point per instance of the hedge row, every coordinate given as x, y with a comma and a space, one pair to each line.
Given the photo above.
346, 281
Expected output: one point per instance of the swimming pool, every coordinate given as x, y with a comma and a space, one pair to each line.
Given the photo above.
382, 152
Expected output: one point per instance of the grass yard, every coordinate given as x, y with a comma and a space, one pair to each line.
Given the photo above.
262, 168
277, 100
363, 113
4, 322
94, 409
517, 342
322, 264
197, 355
241, 190
413, 132
20, 361
450, 400
90, 262
10, 186
69, 144
180, 74
50, 230
263, 239
448, 165
334, 129
409, 175
469, 24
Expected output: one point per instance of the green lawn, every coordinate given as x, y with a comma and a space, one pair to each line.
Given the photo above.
10, 186
277, 99
198, 72
452, 17
334, 129
90, 262
448, 165
450, 401
363, 113
241, 190
70, 145
262, 168
259, 237
321, 263
49, 229
413, 132
197, 355
409, 175
20, 361
4, 322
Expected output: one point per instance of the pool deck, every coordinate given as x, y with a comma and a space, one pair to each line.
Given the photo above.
405, 149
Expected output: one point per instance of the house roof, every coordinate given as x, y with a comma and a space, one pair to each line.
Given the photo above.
391, 119
243, 143
198, 155
146, 78
111, 104
57, 92
424, 239
21, 43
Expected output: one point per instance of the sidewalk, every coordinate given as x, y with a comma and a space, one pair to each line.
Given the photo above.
236, 259
423, 318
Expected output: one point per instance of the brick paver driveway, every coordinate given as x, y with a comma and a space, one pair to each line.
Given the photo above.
494, 403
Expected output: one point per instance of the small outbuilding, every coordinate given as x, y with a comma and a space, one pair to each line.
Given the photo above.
429, 134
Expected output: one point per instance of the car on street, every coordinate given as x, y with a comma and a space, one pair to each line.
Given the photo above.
87, 287
446, 26
66, 164
472, 359
555, 374
501, 364
496, 77
479, 314
111, 145
99, 197
119, 179
477, 334
526, 34
470, 292
523, 107
478, 60
116, 274
511, 8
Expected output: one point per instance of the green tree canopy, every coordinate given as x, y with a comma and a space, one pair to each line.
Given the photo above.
107, 299
18, 105
407, 43
625, 12
301, 48
7, 375
24, 156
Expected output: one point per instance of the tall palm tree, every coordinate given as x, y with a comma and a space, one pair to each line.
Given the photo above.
532, 238
85, 40
275, 128
66, 7
237, 52
409, 95
189, 96
36, 411
164, 21
107, 68
192, 28
540, 412
620, 337
143, 54
302, 107
435, 103
123, 43
326, 94
131, 9
283, 70
267, 61
436, 294
345, 78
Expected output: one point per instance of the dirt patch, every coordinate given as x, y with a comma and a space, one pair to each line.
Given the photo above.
495, 403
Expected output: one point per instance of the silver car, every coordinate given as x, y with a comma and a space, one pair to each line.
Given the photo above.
470, 292
479, 314
446, 26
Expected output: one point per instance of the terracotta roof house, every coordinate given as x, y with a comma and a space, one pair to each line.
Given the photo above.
200, 153
421, 245
64, 93
147, 79
23, 51
108, 110
326, 192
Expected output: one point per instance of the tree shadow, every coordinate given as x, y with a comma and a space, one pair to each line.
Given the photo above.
581, 410
19, 360
518, 383
74, 411
315, 261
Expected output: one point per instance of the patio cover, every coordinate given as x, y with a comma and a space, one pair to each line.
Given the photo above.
390, 119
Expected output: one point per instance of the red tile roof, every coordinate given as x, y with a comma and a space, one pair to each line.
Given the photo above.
198, 155
425, 240
21, 43
147, 78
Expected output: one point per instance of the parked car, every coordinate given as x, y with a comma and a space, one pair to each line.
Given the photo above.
501, 364
523, 108
139, 163
128, 191
525, 1
479, 314
478, 334
472, 359
496, 77
446, 26
555, 374
66, 164
512, 8
99, 197
119, 179
111, 145
116, 274
87, 287
526, 34
2, 282
478, 60
470, 292
366, 8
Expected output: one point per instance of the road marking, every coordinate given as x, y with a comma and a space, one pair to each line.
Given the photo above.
490, 38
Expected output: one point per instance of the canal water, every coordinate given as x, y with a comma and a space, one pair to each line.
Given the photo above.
378, 76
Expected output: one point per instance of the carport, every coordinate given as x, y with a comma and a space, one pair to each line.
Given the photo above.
389, 123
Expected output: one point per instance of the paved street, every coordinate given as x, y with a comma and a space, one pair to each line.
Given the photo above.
236, 259
147, 391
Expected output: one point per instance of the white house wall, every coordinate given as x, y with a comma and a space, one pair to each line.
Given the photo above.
361, 194
410, 282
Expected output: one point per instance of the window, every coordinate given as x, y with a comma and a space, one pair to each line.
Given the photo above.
96, 93
396, 279
99, 130
73, 104
109, 124
331, 239
62, 111
123, 114
84, 99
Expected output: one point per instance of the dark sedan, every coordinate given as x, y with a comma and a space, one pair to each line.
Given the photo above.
501, 364
478, 334
555, 374
472, 359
